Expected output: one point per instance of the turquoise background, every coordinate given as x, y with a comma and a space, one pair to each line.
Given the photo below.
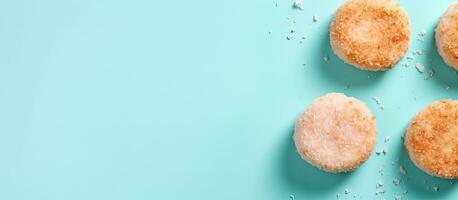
140, 99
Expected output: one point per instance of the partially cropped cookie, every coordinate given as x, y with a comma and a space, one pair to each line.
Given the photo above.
336, 133
371, 34
431, 139
447, 36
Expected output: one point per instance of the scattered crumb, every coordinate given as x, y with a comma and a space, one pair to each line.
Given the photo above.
422, 33
377, 100
338, 196
420, 67
397, 197
378, 152
289, 37
292, 197
380, 170
409, 57
402, 169
379, 184
346, 87
326, 58
452, 182
435, 188
380, 191
347, 191
417, 52
302, 38
447, 87
276, 4
270, 32
430, 74
396, 181
387, 139
315, 18
298, 4
406, 64
421, 36
384, 151
292, 30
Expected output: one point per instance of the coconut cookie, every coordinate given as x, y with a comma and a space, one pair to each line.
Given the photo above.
431, 139
336, 133
371, 34
447, 36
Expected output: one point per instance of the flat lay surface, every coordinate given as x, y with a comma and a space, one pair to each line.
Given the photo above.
198, 100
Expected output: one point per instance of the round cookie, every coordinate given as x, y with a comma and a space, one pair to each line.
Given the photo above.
447, 36
371, 34
431, 139
336, 133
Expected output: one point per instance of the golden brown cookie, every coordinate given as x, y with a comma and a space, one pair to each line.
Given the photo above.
371, 34
431, 139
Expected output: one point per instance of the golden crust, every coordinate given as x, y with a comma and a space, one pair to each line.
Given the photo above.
432, 139
371, 34
336, 133
447, 36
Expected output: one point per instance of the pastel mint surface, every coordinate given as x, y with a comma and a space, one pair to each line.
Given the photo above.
140, 99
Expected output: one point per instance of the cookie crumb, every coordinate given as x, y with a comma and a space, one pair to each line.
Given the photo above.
379, 184
420, 67
326, 58
430, 74
298, 4
421, 36
403, 170
380, 170
315, 18
396, 181
377, 100
435, 188
380, 191
387, 139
